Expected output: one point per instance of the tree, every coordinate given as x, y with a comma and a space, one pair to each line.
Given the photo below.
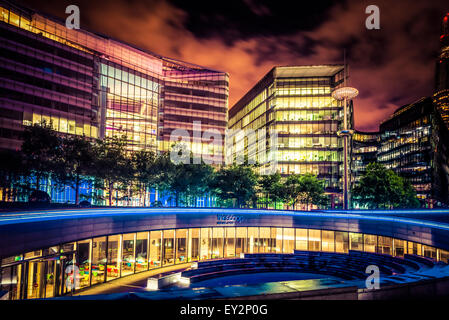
76, 163
380, 187
110, 162
190, 180
145, 173
235, 182
305, 189
41, 149
271, 186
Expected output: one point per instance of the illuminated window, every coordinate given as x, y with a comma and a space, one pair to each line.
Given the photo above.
128, 257
98, 260
301, 239
181, 245
141, 251
328, 241
168, 247
341, 242
155, 249
355, 241
113, 267
370, 243
229, 250
193, 244
288, 245
314, 240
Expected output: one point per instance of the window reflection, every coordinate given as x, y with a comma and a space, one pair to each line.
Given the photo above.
229, 250
128, 258
288, 245
217, 242
113, 268
370, 243
181, 245
253, 240
314, 240
98, 260
84, 248
265, 241
155, 249
205, 244
240, 240
385, 245
328, 241
355, 241
194, 245
141, 251
168, 247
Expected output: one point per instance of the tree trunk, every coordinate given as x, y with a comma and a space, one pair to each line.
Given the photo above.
77, 190
110, 194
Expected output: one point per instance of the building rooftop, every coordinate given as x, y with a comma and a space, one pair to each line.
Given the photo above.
307, 71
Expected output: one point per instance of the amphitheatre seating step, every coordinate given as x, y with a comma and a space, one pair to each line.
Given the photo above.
380, 259
346, 266
332, 271
397, 260
421, 260
344, 269
385, 265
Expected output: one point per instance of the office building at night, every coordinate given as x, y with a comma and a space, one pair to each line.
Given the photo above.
364, 152
441, 95
295, 122
89, 84
413, 143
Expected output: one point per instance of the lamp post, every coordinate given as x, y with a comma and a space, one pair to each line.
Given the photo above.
345, 94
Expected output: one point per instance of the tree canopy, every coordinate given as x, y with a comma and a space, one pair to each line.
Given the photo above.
380, 187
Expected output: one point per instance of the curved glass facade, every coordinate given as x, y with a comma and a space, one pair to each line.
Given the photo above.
58, 270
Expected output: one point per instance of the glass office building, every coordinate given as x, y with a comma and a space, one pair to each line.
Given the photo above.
441, 94
288, 122
364, 152
413, 143
92, 85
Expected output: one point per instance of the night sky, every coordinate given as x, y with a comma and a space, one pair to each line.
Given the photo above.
390, 67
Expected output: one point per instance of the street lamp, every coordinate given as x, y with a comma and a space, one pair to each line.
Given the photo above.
345, 94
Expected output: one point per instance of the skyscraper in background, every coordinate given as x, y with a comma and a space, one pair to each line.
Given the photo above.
364, 152
441, 94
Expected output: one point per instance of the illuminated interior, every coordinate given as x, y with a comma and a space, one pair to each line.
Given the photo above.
38, 274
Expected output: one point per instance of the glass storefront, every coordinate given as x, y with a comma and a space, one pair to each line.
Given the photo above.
141, 251
155, 249
113, 266
128, 254
57, 270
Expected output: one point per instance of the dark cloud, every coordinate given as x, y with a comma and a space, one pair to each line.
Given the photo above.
390, 67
